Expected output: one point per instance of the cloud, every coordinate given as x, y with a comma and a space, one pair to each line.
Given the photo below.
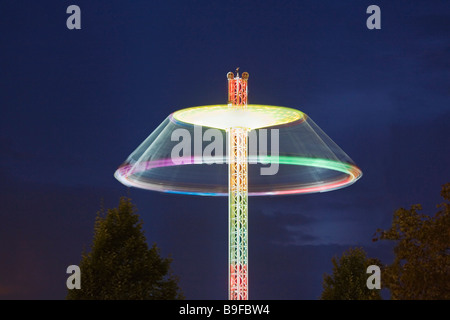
281, 228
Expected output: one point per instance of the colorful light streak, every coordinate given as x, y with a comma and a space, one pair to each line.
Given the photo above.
128, 175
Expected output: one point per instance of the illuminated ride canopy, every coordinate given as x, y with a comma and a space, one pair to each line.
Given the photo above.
237, 150
307, 160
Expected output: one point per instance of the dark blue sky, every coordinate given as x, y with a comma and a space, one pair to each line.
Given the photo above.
75, 103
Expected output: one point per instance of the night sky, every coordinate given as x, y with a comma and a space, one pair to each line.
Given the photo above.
75, 103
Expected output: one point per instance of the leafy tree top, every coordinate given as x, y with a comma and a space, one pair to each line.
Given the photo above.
421, 267
349, 278
120, 265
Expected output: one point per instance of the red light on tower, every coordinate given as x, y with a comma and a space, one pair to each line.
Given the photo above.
237, 89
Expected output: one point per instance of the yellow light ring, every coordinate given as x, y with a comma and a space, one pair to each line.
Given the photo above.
252, 117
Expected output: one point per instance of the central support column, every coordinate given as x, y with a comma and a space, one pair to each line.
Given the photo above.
238, 193
237, 215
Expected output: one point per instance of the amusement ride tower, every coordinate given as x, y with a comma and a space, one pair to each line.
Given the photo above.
238, 192
305, 159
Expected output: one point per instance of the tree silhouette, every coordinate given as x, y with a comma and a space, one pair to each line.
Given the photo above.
349, 278
421, 267
120, 264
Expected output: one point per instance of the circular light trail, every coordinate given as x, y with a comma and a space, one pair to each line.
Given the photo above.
127, 175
